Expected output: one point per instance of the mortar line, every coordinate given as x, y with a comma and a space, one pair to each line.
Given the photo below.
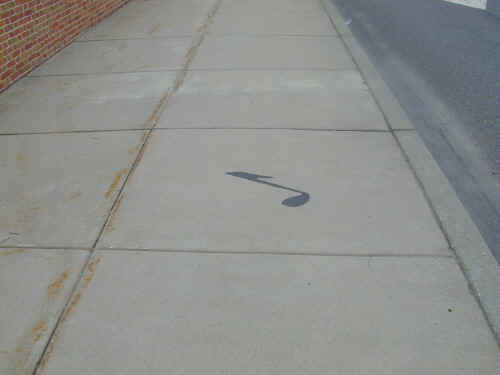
158, 37
266, 35
164, 70
276, 128
275, 69
75, 131
211, 251
212, 35
216, 35
333, 35
76, 74
435, 215
188, 128
271, 252
45, 247
153, 119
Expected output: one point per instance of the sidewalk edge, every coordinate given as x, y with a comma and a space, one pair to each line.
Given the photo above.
475, 259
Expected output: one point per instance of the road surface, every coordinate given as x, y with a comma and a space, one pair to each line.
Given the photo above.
441, 61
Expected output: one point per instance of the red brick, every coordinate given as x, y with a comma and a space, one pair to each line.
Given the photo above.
6, 74
33, 30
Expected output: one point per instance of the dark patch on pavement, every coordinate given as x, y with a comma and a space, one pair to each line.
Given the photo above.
295, 201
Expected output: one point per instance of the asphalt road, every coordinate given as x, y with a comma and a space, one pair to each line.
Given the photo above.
441, 61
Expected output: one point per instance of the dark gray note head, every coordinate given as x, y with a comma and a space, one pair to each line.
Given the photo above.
297, 200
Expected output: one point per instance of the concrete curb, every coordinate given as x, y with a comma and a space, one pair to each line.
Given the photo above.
471, 252
493, 7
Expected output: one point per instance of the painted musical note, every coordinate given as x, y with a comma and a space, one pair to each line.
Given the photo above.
295, 201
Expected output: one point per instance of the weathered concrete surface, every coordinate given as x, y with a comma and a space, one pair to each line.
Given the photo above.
152, 19
475, 256
34, 286
471, 251
272, 52
269, 99
363, 196
272, 17
82, 102
117, 56
283, 301
247, 314
59, 187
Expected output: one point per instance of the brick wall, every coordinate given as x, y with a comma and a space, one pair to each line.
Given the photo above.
33, 30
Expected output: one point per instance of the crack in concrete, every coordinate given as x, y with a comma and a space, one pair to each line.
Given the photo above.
88, 270
155, 115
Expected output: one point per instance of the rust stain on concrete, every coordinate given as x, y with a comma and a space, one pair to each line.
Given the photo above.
73, 195
13, 251
153, 118
91, 269
34, 336
25, 349
140, 144
72, 305
140, 155
143, 142
20, 160
54, 289
74, 301
155, 28
110, 225
133, 150
26, 215
115, 182
46, 357
38, 330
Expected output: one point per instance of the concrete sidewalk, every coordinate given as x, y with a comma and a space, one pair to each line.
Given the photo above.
128, 248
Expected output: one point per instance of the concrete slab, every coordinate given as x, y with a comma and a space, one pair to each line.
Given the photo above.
84, 102
151, 18
292, 17
394, 113
363, 198
60, 186
476, 258
34, 285
272, 52
117, 56
247, 314
290, 99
